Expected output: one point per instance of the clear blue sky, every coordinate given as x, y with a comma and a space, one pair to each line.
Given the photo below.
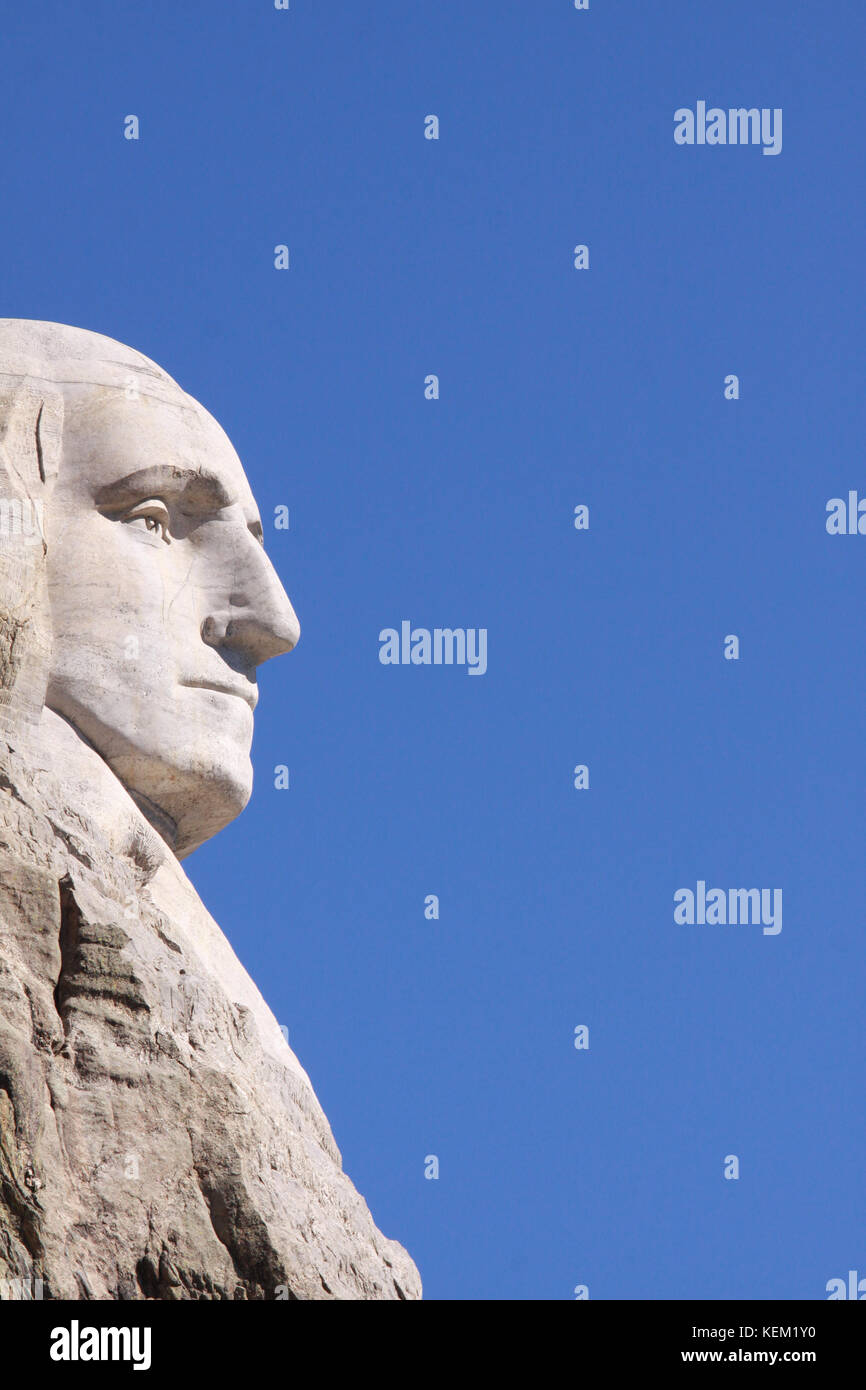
707, 517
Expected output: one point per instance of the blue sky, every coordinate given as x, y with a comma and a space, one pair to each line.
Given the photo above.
454, 1037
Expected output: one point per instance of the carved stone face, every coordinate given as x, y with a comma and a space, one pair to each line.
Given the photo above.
163, 603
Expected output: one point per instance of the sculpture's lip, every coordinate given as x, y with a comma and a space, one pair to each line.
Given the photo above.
249, 694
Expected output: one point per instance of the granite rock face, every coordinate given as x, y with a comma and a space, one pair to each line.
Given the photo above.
158, 1137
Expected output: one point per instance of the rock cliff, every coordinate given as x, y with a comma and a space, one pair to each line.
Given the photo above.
158, 1138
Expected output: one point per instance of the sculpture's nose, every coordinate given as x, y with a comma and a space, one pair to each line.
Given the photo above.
257, 621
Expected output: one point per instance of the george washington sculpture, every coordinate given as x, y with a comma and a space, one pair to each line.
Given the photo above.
158, 1137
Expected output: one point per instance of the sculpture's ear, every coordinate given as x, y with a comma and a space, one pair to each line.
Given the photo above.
31, 430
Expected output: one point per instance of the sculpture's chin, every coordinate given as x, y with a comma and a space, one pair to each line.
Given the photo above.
196, 829
194, 803
189, 796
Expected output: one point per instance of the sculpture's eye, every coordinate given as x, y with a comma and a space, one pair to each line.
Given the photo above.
155, 515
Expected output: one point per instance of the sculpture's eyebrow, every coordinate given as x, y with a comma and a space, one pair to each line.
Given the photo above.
198, 486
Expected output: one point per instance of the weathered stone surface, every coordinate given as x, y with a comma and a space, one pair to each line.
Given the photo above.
158, 1137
